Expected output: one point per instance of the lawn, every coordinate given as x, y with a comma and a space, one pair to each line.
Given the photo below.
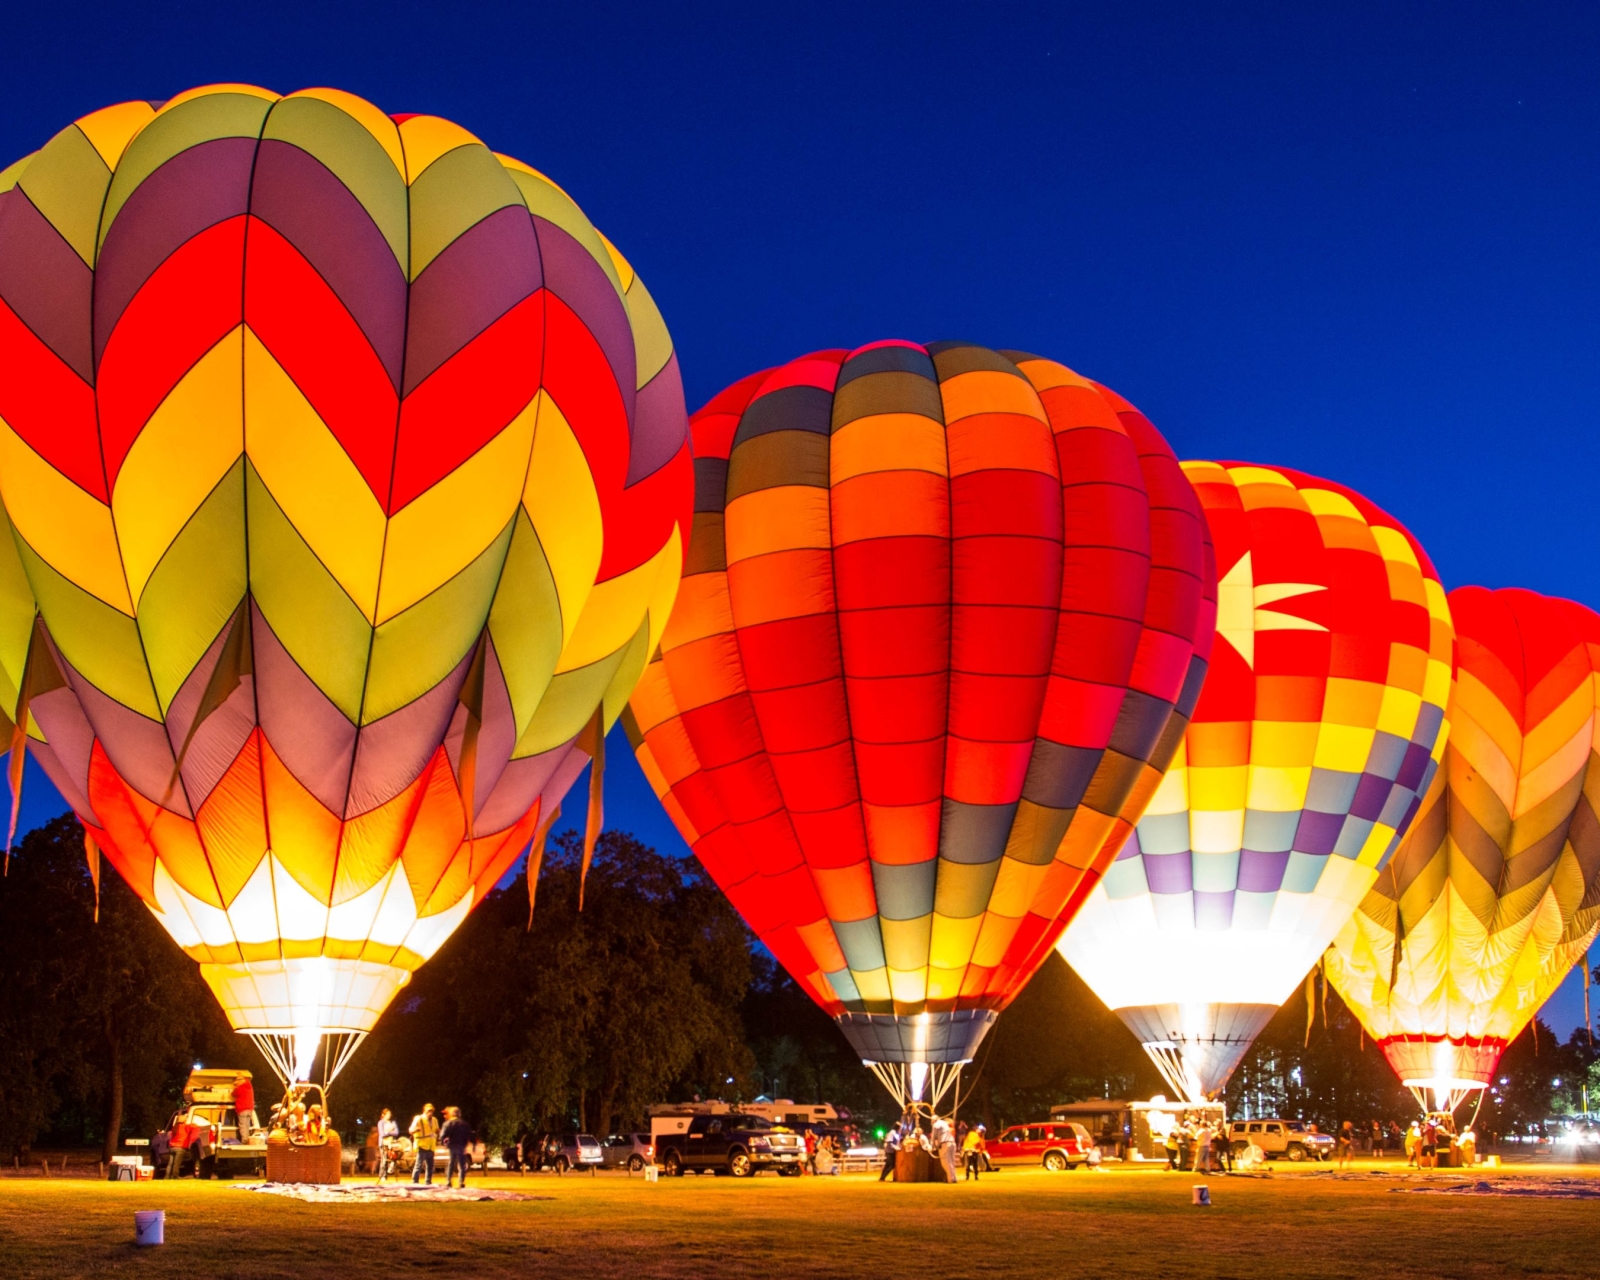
1017, 1223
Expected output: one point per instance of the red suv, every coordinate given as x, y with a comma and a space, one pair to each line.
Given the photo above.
1055, 1145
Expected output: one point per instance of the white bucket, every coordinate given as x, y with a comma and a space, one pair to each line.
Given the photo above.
1202, 1195
150, 1226
651, 1174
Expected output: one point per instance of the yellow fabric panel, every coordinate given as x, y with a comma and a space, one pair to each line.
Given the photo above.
110, 129
70, 530
1325, 502
1218, 788
444, 529
564, 506
425, 138
1277, 790
1242, 476
664, 595
908, 988
1344, 748
613, 612
1398, 714
206, 90
777, 519
1283, 743
989, 391
1394, 546
311, 477
188, 445
17, 610
369, 117
1351, 702
887, 442
953, 940
525, 622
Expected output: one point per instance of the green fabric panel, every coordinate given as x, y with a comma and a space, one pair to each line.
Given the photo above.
652, 344
217, 115
100, 642
354, 156
17, 608
906, 942
67, 182
416, 649
545, 200
568, 706
458, 190
195, 588
525, 622
628, 672
308, 611
962, 889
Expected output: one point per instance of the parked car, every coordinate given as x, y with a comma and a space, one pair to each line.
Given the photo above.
630, 1151
735, 1144
579, 1151
1294, 1139
1056, 1145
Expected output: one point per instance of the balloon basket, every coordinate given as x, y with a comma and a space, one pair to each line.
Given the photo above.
312, 1165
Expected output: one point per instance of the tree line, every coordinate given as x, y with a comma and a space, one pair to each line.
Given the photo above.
555, 1019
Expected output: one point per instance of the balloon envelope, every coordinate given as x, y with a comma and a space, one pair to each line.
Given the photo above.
348, 468
944, 612
1495, 893
1319, 727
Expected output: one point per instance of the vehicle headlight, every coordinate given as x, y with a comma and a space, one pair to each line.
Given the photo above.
760, 1144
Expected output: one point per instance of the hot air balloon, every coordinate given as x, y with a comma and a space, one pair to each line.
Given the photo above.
1495, 892
1320, 726
348, 467
944, 612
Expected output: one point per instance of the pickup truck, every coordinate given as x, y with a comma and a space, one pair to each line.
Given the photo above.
208, 1108
735, 1144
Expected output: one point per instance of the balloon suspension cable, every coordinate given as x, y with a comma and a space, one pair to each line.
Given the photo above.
292, 1054
919, 1087
1432, 1099
1168, 1057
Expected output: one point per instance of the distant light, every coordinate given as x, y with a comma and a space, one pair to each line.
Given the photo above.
524, 1075
199, 1066
730, 1080
1556, 1083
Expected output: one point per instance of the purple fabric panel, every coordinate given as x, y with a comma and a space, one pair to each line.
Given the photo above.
1261, 872
485, 272
306, 731
63, 780
1169, 872
1213, 912
136, 746
301, 199
71, 741
219, 740
198, 188
1130, 847
660, 423
393, 751
514, 792
497, 737
1318, 832
576, 278
1371, 792
46, 283
1413, 768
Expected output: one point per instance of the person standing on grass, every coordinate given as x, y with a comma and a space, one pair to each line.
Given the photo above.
1346, 1144
388, 1133
1377, 1140
972, 1147
811, 1151
1222, 1150
424, 1137
891, 1149
1202, 1148
457, 1137
1170, 1142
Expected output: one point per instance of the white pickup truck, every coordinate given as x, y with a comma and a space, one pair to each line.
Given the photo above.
208, 1097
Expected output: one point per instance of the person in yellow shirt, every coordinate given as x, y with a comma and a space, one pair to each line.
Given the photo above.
425, 1137
973, 1148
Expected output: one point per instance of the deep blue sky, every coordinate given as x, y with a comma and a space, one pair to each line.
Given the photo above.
1361, 240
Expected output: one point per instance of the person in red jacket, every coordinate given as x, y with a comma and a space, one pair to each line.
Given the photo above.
244, 1106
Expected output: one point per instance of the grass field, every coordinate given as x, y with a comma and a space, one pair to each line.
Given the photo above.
1016, 1223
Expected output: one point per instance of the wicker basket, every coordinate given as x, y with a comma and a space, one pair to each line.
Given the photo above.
287, 1162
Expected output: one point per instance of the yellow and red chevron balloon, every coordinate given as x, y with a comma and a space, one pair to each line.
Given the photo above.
1319, 728
1495, 893
349, 469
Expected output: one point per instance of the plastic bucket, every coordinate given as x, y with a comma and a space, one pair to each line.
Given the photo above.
150, 1227
1202, 1196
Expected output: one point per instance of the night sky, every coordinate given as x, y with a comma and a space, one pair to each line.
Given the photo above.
1361, 242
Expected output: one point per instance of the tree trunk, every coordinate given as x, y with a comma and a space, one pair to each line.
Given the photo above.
113, 1117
